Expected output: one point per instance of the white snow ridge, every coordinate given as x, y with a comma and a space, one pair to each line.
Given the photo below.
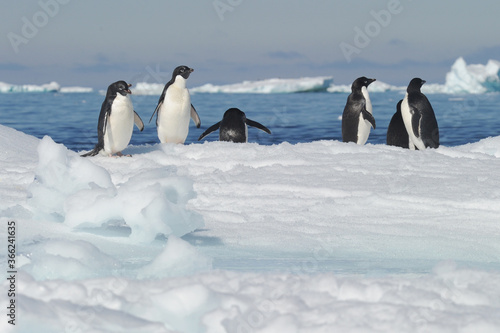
219, 237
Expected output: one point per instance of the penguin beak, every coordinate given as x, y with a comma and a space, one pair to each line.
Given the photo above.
191, 70
128, 90
423, 81
371, 80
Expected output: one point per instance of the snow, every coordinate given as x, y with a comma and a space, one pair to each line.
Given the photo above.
221, 237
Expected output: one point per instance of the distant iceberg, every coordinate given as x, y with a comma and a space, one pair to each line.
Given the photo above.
145, 88
68, 90
474, 78
377, 86
271, 86
23, 88
461, 79
44, 88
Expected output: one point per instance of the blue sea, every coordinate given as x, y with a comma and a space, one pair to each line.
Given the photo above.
71, 118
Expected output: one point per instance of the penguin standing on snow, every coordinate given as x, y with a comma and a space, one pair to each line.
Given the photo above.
116, 121
174, 108
419, 118
396, 132
357, 117
233, 126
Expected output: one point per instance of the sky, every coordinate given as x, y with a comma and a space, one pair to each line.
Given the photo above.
94, 43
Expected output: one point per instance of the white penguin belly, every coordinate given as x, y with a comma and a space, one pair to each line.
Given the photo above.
120, 125
405, 113
364, 126
174, 116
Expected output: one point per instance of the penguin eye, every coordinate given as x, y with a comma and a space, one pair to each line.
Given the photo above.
182, 70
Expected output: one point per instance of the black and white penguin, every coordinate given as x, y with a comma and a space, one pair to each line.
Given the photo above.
396, 132
116, 121
174, 108
419, 118
233, 126
357, 117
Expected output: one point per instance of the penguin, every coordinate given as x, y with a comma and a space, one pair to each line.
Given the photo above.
357, 117
233, 126
419, 118
396, 132
116, 121
174, 109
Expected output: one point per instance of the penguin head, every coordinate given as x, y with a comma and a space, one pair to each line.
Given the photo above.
361, 82
234, 113
415, 84
120, 87
183, 71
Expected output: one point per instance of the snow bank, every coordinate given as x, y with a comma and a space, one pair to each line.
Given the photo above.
448, 300
270, 86
314, 237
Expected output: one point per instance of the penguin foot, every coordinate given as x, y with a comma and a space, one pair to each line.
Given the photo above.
119, 154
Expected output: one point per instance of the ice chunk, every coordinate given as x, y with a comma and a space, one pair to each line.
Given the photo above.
73, 190
69, 260
178, 258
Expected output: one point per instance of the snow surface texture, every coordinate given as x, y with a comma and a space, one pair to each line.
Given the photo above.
313, 237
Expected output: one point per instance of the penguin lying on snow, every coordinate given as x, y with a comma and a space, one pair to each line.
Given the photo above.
357, 117
419, 118
116, 121
174, 108
233, 126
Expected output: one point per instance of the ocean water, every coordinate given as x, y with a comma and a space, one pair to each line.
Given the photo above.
71, 119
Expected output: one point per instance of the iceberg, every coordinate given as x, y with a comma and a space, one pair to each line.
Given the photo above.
376, 87
44, 88
145, 88
24, 88
79, 90
473, 79
270, 86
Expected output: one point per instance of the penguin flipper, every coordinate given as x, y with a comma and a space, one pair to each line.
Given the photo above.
415, 122
94, 151
369, 117
258, 125
160, 102
138, 121
209, 130
195, 117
